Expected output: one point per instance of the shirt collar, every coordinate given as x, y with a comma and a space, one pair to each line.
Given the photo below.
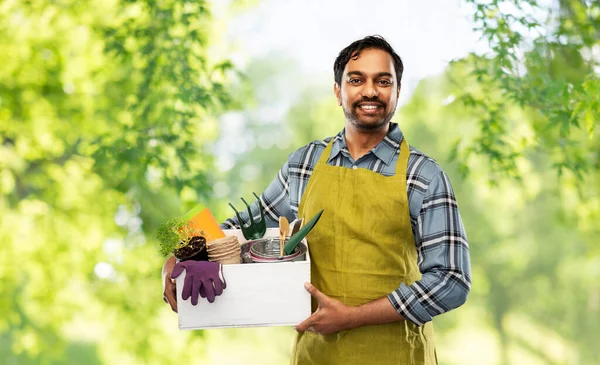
385, 150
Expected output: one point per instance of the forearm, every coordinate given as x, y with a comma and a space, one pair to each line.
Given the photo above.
379, 311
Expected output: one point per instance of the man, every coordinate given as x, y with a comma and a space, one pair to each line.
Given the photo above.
390, 251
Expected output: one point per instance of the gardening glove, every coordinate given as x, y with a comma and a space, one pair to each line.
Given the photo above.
202, 277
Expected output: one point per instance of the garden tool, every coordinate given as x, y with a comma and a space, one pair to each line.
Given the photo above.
296, 225
254, 230
284, 229
291, 244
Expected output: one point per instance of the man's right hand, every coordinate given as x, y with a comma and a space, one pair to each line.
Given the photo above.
169, 289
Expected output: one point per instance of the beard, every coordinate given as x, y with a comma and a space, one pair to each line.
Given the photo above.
364, 124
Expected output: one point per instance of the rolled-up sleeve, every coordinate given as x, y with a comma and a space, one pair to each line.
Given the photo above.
443, 258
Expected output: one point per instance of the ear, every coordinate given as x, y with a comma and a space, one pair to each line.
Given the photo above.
398, 94
338, 93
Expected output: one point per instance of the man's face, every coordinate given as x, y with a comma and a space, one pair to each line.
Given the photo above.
368, 92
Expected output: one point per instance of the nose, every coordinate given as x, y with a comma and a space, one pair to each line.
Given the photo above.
369, 90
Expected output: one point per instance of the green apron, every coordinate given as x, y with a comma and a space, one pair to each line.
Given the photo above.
361, 250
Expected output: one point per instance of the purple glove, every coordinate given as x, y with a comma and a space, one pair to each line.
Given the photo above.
202, 277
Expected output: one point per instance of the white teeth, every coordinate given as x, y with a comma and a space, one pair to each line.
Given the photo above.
369, 107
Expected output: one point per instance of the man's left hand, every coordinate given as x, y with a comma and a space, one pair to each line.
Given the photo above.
330, 317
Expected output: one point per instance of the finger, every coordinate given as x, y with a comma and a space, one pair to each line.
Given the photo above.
172, 300
202, 291
195, 291
165, 290
177, 270
312, 329
306, 324
210, 291
171, 297
315, 292
187, 288
223, 282
218, 287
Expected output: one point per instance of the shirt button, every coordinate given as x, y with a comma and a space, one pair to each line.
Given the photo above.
354, 167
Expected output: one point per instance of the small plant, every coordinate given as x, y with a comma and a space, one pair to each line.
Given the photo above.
174, 234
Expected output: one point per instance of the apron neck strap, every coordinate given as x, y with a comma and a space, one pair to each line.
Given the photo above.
402, 163
325, 155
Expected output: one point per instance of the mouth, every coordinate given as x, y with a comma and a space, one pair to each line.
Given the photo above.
369, 108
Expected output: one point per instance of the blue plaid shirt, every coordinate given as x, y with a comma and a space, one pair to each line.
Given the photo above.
440, 239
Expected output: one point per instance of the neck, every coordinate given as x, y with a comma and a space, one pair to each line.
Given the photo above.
360, 141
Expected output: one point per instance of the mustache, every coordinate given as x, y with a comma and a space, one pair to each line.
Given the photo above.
368, 100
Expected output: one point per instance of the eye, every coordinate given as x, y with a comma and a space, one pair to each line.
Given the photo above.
385, 82
354, 81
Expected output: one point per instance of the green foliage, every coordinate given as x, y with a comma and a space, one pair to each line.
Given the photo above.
173, 234
106, 112
544, 62
168, 87
528, 240
176, 233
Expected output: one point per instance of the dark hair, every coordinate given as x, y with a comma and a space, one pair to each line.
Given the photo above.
354, 49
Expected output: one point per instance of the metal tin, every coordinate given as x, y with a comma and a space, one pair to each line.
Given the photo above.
266, 250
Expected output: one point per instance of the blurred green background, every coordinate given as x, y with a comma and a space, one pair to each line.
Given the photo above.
118, 114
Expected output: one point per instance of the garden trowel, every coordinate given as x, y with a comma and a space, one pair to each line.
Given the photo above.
295, 239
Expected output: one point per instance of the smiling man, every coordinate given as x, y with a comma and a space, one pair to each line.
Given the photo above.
390, 251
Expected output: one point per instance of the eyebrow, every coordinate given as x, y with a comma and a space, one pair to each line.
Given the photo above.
358, 73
